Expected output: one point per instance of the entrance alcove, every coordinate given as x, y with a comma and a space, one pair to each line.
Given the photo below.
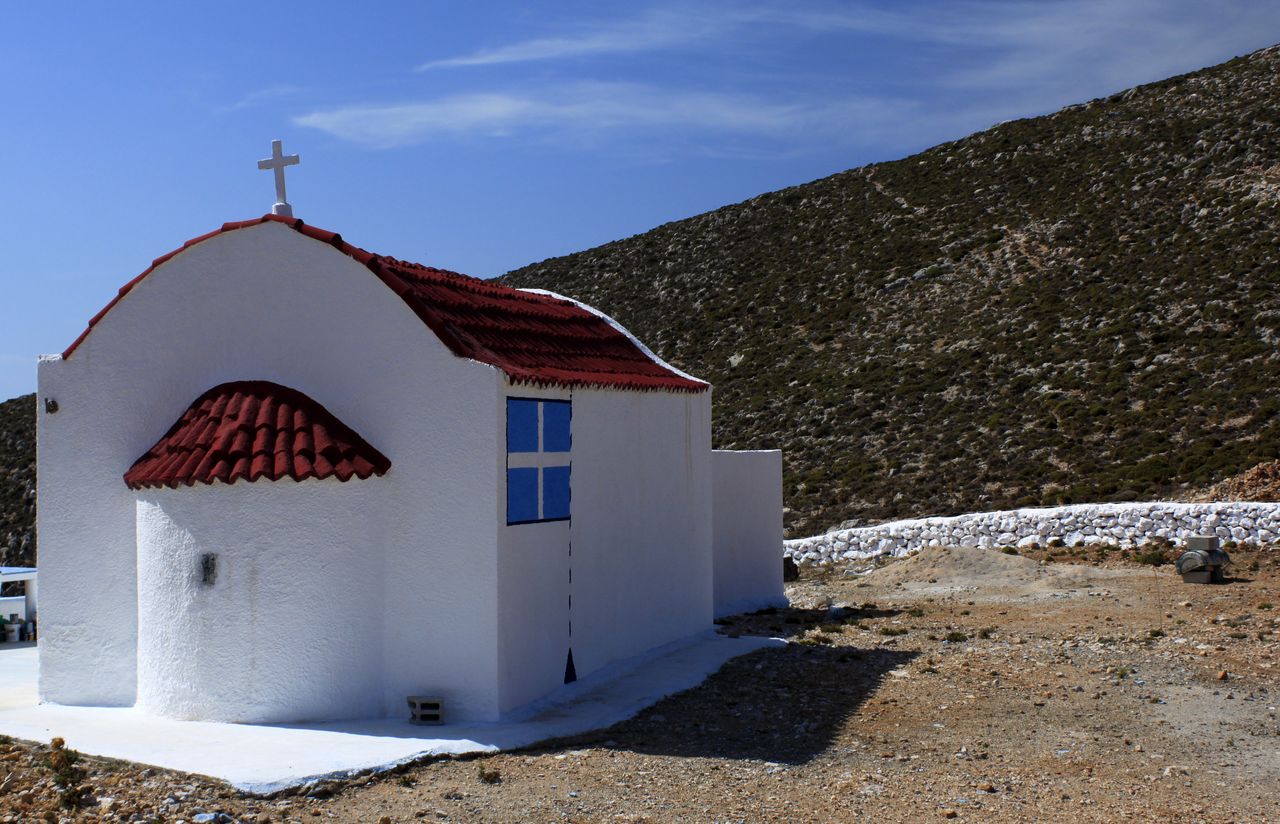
260, 573
282, 631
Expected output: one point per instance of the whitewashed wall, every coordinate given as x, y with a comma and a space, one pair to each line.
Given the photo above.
283, 632
268, 303
533, 585
1122, 524
747, 529
641, 529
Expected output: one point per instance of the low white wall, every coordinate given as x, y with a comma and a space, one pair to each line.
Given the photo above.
1122, 524
746, 495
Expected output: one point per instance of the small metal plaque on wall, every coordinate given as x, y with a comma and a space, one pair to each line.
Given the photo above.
208, 568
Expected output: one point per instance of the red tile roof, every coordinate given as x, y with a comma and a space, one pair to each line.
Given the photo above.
252, 430
537, 339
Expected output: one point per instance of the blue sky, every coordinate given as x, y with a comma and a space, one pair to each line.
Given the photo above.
483, 136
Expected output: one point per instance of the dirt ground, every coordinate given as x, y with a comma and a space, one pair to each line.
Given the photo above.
957, 684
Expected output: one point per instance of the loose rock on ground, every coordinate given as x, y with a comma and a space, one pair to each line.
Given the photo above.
957, 684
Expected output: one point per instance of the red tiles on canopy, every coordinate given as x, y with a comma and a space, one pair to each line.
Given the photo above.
255, 429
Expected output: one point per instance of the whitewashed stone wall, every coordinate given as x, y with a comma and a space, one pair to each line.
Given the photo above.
1120, 524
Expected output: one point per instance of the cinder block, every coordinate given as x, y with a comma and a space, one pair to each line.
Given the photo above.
425, 710
1206, 543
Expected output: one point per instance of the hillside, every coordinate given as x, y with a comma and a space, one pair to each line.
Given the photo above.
1259, 483
1076, 307
18, 481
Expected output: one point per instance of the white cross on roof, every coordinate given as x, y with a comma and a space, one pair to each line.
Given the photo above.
276, 163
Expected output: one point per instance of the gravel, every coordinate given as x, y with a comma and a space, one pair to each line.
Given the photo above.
985, 695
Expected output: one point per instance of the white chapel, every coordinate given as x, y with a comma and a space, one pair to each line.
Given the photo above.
282, 478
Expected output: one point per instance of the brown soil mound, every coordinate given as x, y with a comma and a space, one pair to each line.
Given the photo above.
970, 569
1261, 483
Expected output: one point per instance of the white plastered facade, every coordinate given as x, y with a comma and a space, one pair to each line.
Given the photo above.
631, 570
282, 628
747, 526
366, 591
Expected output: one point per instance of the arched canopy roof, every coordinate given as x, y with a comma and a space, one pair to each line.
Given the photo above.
254, 430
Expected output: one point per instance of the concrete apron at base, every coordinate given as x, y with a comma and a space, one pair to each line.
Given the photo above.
262, 759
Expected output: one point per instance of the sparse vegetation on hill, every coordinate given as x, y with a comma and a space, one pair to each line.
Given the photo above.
1077, 307
18, 481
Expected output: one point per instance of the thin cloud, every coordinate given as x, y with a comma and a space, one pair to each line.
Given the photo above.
1060, 42
660, 29
1027, 59
1003, 59
260, 96
590, 110
1112, 44
665, 28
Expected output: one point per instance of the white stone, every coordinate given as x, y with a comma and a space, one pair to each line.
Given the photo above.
1124, 524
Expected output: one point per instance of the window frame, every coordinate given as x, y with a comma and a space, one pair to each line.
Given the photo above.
539, 461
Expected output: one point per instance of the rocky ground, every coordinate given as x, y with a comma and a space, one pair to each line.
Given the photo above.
964, 684
1260, 483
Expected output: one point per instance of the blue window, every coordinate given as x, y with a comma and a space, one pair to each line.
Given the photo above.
522, 425
522, 495
555, 493
555, 426
539, 442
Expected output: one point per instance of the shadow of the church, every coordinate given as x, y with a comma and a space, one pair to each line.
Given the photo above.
784, 705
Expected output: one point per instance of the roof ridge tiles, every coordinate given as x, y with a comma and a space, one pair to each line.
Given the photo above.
484, 321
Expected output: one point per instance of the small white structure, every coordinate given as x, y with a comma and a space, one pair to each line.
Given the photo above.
18, 608
282, 478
